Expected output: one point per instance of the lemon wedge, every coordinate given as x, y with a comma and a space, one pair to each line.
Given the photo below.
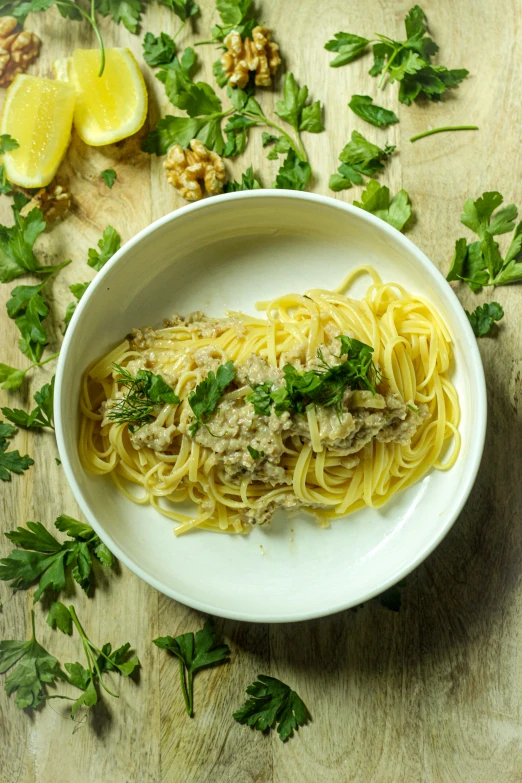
37, 113
108, 107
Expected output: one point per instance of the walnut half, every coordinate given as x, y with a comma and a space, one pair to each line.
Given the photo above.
187, 170
54, 201
258, 54
18, 49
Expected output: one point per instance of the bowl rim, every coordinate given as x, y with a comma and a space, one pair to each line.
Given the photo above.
474, 455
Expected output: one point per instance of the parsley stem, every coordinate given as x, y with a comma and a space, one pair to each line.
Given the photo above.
89, 649
178, 32
443, 129
209, 41
190, 678
297, 147
49, 358
388, 64
184, 688
33, 633
91, 18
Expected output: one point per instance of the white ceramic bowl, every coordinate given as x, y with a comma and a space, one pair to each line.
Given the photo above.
228, 252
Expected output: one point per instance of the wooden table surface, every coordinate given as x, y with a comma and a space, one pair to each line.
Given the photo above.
432, 693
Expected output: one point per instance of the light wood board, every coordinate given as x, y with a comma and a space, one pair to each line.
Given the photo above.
431, 694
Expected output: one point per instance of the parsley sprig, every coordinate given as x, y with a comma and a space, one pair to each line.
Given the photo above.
408, 62
235, 15
43, 559
323, 386
145, 393
194, 652
377, 199
11, 461
205, 397
480, 263
482, 319
359, 158
41, 416
206, 115
272, 703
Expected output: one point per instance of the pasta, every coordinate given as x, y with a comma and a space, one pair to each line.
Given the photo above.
240, 466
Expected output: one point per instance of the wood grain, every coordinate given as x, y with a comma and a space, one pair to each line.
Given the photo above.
431, 694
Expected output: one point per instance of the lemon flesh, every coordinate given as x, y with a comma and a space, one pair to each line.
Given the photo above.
37, 113
108, 107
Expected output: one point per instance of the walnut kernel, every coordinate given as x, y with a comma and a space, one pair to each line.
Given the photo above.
54, 201
187, 170
258, 54
17, 49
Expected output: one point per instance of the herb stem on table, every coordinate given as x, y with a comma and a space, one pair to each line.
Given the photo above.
91, 18
443, 129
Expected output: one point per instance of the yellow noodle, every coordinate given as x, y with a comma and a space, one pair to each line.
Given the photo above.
412, 348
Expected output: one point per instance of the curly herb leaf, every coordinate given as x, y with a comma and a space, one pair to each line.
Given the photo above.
483, 318
272, 703
41, 416
376, 199
109, 177
11, 461
359, 158
194, 652
145, 393
44, 559
107, 246
205, 397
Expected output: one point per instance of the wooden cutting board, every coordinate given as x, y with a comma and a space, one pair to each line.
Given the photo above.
430, 694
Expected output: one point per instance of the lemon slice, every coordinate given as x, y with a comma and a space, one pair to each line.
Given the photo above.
108, 107
38, 113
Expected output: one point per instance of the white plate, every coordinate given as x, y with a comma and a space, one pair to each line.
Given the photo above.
228, 252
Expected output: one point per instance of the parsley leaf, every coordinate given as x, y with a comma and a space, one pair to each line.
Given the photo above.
376, 199
194, 652
7, 143
295, 110
205, 397
158, 50
280, 145
483, 318
480, 262
184, 9
261, 399
29, 310
109, 177
42, 558
77, 290
294, 174
16, 245
11, 461
234, 15
10, 377
348, 46
108, 245
364, 107
248, 182
254, 453
359, 157
272, 703
145, 392
35, 669
407, 62
99, 660
41, 416
126, 11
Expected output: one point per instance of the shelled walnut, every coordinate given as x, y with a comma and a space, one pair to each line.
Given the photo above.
258, 54
18, 48
54, 201
187, 170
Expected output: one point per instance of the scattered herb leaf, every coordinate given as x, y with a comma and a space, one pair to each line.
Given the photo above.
272, 703
376, 199
109, 177
254, 453
11, 461
483, 318
107, 246
205, 397
364, 107
359, 157
41, 416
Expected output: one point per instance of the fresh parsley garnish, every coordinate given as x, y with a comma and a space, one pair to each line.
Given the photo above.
323, 386
408, 62
77, 290
194, 652
11, 461
41, 416
364, 107
205, 397
158, 50
145, 392
272, 703
254, 453
480, 263
359, 158
35, 669
17, 244
235, 15
109, 177
483, 318
44, 559
7, 143
248, 182
376, 199
99, 660
107, 246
